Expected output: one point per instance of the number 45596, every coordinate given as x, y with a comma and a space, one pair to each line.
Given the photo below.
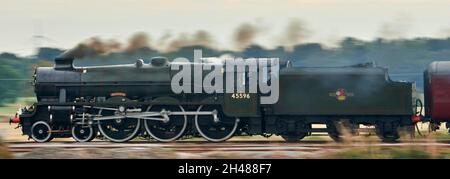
240, 96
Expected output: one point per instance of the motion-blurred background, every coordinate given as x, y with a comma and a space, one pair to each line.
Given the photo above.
402, 35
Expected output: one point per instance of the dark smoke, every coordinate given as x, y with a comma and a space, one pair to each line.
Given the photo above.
201, 37
138, 41
295, 33
245, 35
164, 40
94, 46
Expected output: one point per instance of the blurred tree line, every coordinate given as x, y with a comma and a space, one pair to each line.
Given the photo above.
16, 76
405, 58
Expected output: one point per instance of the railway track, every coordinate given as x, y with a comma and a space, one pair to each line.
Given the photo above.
230, 146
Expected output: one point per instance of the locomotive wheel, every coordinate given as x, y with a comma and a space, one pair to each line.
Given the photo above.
83, 133
41, 132
215, 129
118, 130
166, 131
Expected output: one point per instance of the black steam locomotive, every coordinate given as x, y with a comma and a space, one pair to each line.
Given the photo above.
120, 102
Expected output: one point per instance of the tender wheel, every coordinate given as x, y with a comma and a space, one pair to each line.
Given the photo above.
41, 132
294, 138
293, 134
83, 133
171, 129
216, 127
120, 129
338, 129
387, 132
333, 132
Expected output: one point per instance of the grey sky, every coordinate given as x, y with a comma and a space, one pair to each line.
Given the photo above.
67, 22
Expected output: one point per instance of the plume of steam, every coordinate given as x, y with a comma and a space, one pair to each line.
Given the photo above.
397, 28
138, 41
244, 35
295, 33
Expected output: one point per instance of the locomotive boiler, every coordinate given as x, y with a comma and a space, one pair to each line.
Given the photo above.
120, 102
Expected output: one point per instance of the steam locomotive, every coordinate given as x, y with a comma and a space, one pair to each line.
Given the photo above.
121, 102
